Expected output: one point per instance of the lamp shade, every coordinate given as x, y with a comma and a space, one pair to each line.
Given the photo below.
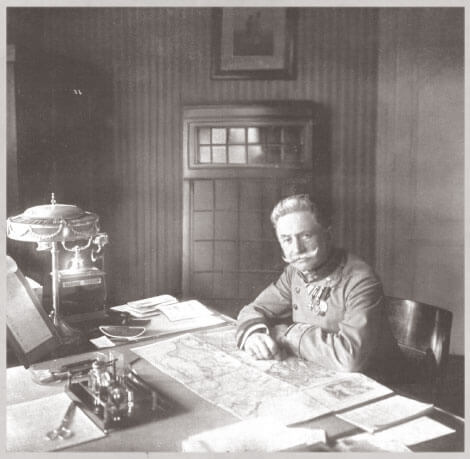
52, 223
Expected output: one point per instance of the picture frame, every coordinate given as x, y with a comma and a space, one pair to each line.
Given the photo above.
253, 43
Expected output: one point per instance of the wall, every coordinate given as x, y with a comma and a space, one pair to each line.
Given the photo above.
157, 60
420, 159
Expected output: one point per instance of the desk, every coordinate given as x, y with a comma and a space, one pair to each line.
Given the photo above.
196, 415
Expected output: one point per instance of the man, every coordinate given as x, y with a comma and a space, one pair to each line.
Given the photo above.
327, 306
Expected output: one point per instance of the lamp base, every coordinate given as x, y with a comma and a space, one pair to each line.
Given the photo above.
67, 334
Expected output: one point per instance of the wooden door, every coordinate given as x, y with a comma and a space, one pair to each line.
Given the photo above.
238, 162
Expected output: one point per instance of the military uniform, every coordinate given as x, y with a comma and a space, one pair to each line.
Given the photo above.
336, 315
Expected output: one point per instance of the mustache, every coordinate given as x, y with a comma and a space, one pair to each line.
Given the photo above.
302, 256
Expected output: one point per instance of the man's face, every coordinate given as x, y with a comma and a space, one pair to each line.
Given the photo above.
299, 234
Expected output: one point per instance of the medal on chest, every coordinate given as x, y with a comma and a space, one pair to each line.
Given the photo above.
318, 296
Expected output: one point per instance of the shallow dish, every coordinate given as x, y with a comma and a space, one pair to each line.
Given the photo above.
121, 331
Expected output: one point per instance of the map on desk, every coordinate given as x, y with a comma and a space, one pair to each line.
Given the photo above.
292, 390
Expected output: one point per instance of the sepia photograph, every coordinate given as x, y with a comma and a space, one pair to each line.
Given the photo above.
234, 229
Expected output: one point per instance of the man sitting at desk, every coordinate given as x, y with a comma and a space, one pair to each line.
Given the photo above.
327, 306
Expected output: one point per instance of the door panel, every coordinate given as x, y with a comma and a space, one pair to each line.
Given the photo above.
230, 252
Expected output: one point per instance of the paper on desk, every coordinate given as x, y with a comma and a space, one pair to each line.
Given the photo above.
347, 390
385, 413
173, 310
28, 423
261, 434
366, 442
153, 301
185, 310
102, 341
146, 307
415, 431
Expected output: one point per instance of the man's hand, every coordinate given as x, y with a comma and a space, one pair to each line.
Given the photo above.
262, 347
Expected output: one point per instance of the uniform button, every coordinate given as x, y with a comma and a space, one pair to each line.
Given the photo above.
295, 306
297, 290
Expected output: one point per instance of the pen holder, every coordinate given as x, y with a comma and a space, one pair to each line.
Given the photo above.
113, 402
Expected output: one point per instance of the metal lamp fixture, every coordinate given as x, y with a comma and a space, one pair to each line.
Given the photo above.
51, 224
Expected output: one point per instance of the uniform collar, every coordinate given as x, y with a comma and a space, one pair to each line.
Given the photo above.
333, 261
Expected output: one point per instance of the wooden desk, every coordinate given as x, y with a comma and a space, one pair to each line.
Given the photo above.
195, 414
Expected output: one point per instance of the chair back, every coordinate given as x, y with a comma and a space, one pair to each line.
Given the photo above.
422, 332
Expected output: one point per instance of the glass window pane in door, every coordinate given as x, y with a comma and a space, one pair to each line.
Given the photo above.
254, 135
256, 154
219, 155
236, 154
236, 135
204, 136
274, 134
274, 154
292, 135
219, 135
291, 154
204, 155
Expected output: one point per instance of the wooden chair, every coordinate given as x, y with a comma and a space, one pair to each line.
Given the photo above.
423, 335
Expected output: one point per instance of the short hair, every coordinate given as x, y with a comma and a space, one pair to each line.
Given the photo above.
300, 203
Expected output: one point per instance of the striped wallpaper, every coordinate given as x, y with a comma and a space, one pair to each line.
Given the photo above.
157, 61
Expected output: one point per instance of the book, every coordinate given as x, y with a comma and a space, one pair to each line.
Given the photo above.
262, 434
385, 413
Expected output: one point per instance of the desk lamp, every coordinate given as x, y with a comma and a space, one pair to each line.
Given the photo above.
51, 224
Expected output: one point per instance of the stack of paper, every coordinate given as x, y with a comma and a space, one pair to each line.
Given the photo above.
190, 309
164, 304
396, 438
149, 307
260, 434
413, 432
385, 413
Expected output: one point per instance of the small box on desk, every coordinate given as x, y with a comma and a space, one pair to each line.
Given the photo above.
126, 402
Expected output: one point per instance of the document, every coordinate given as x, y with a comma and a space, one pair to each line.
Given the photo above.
298, 372
102, 341
28, 422
167, 305
230, 383
366, 443
385, 413
147, 307
348, 390
185, 310
151, 302
416, 431
263, 434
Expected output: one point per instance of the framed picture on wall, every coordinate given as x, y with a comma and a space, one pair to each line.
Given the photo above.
253, 43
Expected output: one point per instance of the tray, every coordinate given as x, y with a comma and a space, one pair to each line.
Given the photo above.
148, 404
